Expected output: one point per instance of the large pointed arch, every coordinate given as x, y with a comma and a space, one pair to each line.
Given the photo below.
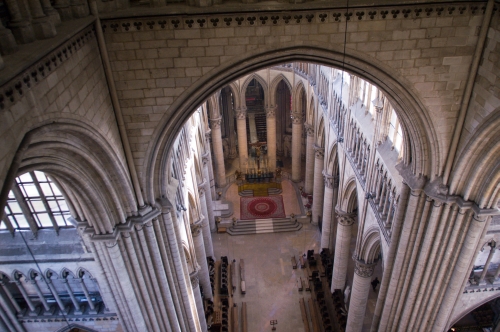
423, 152
261, 81
274, 86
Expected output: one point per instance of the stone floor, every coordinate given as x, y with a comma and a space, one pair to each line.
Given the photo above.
271, 291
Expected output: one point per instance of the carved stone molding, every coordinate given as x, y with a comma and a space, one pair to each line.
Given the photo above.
297, 119
345, 220
329, 180
195, 229
271, 112
309, 129
216, 123
319, 152
240, 114
363, 270
195, 281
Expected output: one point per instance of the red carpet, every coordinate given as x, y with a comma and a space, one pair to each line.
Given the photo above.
261, 207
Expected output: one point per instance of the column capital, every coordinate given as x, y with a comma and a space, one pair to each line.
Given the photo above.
362, 269
240, 114
296, 118
195, 229
344, 218
271, 112
195, 281
216, 122
201, 189
330, 180
309, 129
319, 151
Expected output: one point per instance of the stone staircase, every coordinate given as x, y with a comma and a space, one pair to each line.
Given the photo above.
258, 226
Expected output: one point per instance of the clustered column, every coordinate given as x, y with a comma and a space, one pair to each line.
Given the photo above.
208, 196
241, 128
201, 258
328, 205
319, 188
271, 138
220, 170
359, 295
195, 284
342, 248
296, 146
309, 179
493, 247
208, 173
207, 238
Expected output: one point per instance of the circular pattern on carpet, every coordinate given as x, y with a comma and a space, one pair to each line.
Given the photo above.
262, 206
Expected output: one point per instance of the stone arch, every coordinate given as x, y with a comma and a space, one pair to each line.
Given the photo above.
274, 86
213, 106
261, 81
193, 208
236, 95
423, 152
75, 326
370, 246
51, 274
310, 110
476, 173
349, 197
320, 136
81, 272
65, 272
332, 165
84, 162
298, 93
464, 312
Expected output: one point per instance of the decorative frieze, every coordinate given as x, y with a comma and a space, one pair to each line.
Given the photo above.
363, 270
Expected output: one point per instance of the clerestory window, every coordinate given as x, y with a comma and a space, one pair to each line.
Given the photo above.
35, 202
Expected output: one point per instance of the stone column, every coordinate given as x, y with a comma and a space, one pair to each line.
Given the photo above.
319, 188
21, 28
207, 237
7, 41
252, 128
492, 245
271, 138
87, 296
309, 177
359, 296
220, 170
296, 145
78, 310
48, 310
455, 285
201, 258
52, 14
328, 206
62, 7
3, 283
42, 25
241, 128
342, 249
53, 290
33, 309
8, 317
199, 302
209, 164
208, 196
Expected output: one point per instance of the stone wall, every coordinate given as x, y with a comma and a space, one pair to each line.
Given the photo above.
67, 86
427, 50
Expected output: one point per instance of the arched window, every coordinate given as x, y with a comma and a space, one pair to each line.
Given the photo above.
35, 202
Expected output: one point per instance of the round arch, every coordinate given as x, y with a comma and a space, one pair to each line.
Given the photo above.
423, 158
